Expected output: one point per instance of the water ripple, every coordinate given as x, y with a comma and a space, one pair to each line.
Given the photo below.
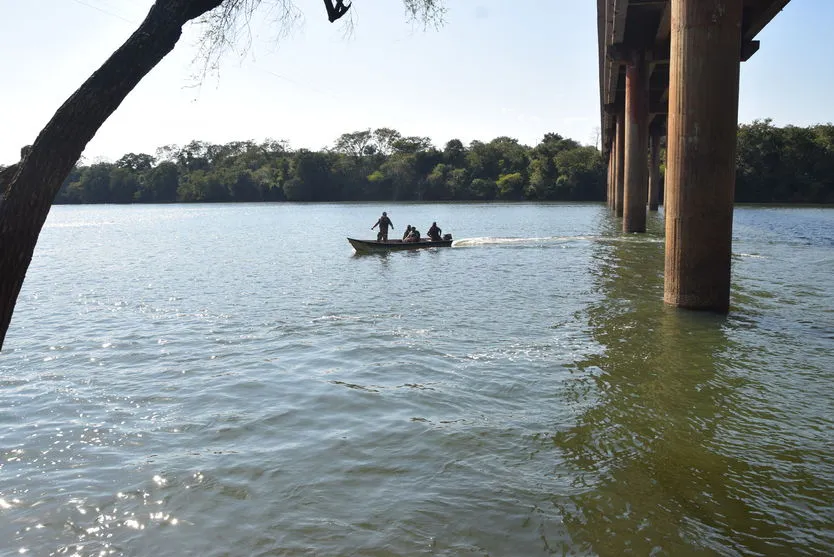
195, 384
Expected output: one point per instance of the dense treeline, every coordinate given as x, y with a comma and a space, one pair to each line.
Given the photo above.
785, 165
790, 164
362, 166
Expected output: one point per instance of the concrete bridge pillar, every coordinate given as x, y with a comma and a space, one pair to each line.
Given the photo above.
609, 195
613, 169
636, 142
655, 135
619, 166
701, 145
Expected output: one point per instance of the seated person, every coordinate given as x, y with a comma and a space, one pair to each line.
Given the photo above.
414, 236
407, 233
435, 232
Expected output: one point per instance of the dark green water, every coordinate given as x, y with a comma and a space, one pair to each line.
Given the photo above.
232, 380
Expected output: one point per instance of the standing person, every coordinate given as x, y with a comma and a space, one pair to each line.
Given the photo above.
384, 222
435, 232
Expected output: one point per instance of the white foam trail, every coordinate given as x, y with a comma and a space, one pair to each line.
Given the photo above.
491, 240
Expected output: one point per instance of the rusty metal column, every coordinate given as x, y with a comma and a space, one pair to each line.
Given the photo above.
636, 142
655, 135
608, 199
619, 171
701, 146
612, 175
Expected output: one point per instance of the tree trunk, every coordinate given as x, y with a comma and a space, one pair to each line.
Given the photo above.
30, 186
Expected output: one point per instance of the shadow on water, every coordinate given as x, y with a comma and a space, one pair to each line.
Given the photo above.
660, 452
382, 255
386, 255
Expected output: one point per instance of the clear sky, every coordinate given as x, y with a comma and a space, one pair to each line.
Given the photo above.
520, 69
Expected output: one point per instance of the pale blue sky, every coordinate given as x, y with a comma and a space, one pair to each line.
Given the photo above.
520, 69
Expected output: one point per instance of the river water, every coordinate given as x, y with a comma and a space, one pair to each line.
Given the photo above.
227, 380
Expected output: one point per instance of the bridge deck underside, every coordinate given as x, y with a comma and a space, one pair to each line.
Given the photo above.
646, 24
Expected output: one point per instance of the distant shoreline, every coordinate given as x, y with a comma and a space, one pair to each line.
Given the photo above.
788, 165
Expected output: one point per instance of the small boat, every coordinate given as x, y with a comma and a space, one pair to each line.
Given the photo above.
376, 246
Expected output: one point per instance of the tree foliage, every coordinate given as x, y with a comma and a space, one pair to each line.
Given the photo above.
790, 164
365, 165
785, 165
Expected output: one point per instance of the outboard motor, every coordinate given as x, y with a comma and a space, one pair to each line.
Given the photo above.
447, 237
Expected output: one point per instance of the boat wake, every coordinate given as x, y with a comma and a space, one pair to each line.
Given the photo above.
493, 241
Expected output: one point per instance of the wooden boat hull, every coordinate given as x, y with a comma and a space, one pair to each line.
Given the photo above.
373, 246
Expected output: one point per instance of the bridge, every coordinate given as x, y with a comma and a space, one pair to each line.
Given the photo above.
670, 68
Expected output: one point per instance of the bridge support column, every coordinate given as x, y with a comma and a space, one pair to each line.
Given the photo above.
613, 173
636, 142
619, 166
701, 144
655, 134
609, 195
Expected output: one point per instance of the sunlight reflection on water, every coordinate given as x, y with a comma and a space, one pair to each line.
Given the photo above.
199, 379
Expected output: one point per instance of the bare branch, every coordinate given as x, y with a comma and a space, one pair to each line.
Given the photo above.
431, 13
227, 28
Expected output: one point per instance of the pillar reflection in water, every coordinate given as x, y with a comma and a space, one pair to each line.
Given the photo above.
656, 469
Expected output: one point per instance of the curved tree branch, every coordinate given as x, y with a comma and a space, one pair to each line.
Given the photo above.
337, 11
30, 186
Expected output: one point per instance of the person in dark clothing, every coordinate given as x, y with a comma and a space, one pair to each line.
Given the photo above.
414, 236
407, 233
435, 232
384, 222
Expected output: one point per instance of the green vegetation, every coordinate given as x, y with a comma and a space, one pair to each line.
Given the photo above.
362, 166
784, 165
